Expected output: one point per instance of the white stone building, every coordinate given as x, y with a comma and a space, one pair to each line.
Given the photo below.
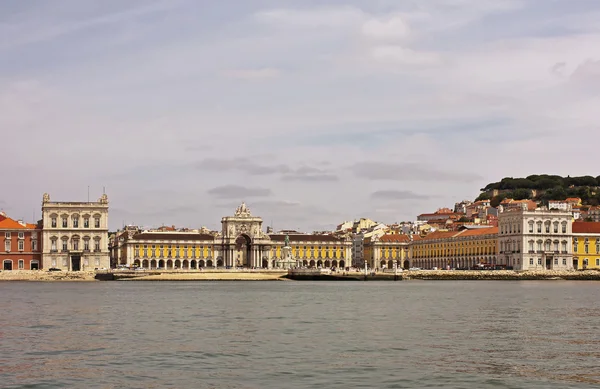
540, 239
75, 234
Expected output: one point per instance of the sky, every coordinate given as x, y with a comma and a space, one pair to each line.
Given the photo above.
312, 112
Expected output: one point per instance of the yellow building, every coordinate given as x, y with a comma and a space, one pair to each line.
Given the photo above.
241, 243
455, 249
314, 250
385, 251
586, 245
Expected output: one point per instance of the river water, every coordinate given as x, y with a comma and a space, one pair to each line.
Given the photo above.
413, 334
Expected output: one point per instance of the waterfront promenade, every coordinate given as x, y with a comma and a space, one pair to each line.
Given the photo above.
274, 275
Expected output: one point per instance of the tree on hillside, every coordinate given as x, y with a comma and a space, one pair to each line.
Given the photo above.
483, 196
521, 194
496, 200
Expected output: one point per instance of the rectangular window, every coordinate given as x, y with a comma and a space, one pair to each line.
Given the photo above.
75, 222
531, 228
21, 245
539, 261
97, 245
33, 245
7, 235
564, 228
75, 245
7, 245
64, 222
64, 245
556, 261
597, 262
564, 262
586, 249
53, 246
556, 228
21, 264
21, 235
547, 228
86, 245
86, 223
97, 222
531, 261
53, 222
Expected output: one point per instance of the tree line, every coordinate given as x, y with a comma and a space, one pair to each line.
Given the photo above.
547, 187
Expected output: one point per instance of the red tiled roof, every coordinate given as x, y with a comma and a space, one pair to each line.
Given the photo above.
480, 231
586, 228
306, 238
440, 235
401, 238
172, 236
7, 223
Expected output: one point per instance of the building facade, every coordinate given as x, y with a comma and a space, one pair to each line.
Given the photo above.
538, 239
387, 251
465, 249
21, 249
75, 234
240, 243
586, 245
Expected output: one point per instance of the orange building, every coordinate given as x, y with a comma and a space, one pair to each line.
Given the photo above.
21, 249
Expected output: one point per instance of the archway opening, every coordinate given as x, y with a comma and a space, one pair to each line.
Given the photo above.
219, 263
169, 264
311, 263
243, 248
201, 263
319, 263
153, 264
34, 265
334, 263
145, 264
193, 264
305, 263
327, 263
161, 264
209, 263
342, 264
406, 264
185, 264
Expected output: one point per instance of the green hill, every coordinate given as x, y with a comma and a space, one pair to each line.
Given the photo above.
543, 188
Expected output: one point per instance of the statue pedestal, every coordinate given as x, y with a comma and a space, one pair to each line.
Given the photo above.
286, 261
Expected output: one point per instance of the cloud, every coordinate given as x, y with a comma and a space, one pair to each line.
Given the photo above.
238, 192
310, 174
402, 55
253, 74
397, 195
409, 172
243, 164
392, 28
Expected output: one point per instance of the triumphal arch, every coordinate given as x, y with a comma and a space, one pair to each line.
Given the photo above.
243, 242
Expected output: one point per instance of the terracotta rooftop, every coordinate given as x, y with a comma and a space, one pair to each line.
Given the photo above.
7, 223
172, 236
305, 238
586, 228
400, 238
440, 235
480, 232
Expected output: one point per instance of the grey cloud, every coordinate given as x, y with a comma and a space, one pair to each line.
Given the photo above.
241, 164
310, 174
397, 195
409, 172
238, 192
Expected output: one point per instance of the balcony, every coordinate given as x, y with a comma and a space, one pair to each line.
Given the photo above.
531, 251
54, 251
97, 250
